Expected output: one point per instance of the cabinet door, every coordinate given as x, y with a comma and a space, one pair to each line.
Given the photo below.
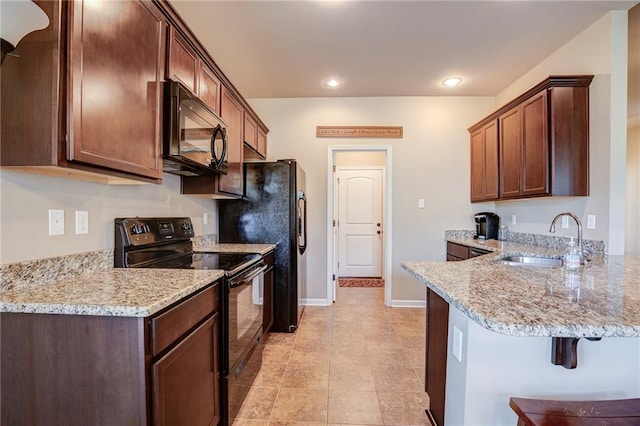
209, 88
186, 380
491, 191
435, 379
183, 62
233, 114
250, 131
535, 146
484, 163
262, 142
510, 152
117, 51
477, 166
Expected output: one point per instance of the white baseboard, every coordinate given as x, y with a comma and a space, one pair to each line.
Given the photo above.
408, 303
394, 303
316, 302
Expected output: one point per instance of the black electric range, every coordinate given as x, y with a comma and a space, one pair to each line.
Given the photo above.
166, 243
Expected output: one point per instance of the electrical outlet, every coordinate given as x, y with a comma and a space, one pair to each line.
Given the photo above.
421, 203
565, 222
591, 221
205, 218
82, 222
56, 222
456, 349
513, 219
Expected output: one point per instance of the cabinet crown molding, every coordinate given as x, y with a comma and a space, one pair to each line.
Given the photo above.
551, 81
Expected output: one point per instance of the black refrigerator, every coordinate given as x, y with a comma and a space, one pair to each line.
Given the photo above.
273, 211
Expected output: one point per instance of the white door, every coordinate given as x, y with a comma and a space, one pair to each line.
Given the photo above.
360, 223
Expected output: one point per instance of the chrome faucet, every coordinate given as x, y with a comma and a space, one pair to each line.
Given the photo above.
552, 228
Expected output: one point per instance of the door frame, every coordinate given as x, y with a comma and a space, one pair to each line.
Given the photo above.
387, 215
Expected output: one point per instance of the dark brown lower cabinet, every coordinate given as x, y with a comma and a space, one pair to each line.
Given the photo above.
436, 355
269, 276
79, 370
186, 380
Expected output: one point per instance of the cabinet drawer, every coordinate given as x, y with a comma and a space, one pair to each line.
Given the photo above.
475, 252
170, 325
457, 250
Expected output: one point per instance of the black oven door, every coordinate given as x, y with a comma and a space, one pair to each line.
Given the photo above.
244, 323
243, 331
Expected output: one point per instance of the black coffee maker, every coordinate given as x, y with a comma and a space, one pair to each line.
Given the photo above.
487, 225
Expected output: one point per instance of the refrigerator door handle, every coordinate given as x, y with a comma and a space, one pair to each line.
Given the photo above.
302, 222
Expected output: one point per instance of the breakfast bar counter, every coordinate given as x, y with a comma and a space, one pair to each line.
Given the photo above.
601, 300
496, 331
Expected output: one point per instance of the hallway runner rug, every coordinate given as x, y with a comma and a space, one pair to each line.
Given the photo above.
361, 282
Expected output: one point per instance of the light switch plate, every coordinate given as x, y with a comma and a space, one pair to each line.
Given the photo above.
56, 222
421, 203
82, 222
591, 221
205, 218
513, 219
565, 222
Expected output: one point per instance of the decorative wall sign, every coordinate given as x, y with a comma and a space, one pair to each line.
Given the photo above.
359, 132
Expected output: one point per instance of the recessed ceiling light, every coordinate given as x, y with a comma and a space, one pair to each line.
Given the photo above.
451, 81
332, 83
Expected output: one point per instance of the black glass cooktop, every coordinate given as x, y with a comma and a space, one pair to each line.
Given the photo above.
204, 260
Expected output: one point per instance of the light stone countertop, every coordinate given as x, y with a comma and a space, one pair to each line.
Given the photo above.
234, 248
126, 292
601, 300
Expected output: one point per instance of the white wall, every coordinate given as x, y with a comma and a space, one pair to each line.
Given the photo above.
431, 161
599, 50
26, 200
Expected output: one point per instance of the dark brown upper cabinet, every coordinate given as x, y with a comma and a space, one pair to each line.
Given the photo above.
542, 143
115, 81
250, 132
262, 142
232, 113
83, 100
484, 162
255, 139
188, 68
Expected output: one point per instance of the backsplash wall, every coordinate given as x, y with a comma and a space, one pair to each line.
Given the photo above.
26, 200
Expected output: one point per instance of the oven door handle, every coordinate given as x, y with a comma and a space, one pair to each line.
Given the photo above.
248, 276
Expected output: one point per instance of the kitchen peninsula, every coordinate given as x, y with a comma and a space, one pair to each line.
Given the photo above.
502, 320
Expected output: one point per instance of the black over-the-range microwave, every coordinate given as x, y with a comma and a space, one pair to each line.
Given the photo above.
194, 138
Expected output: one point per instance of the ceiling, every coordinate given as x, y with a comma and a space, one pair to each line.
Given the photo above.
280, 49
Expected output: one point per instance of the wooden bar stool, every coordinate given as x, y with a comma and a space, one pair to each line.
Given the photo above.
540, 412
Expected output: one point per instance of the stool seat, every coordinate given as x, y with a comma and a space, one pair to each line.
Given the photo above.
541, 412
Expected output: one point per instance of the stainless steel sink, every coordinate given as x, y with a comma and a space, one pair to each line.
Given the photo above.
530, 261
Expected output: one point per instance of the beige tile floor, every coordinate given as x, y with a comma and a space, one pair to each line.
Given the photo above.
357, 362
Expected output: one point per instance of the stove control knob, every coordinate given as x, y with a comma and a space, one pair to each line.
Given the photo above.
139, 228
186, 226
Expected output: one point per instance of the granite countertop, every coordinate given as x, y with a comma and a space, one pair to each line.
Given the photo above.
234, 248
126, 292
600, 300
